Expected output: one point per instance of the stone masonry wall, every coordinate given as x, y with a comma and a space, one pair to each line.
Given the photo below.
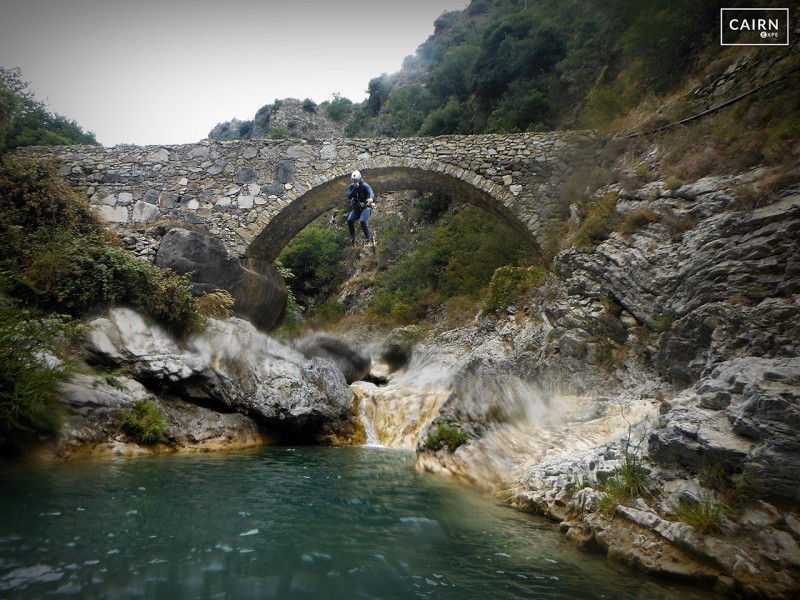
234, 189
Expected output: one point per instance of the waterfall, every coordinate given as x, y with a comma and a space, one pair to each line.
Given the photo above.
366, 421
396, 415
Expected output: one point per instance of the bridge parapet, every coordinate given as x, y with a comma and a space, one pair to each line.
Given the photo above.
255, 195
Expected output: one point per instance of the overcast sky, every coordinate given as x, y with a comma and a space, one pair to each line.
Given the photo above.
167, 71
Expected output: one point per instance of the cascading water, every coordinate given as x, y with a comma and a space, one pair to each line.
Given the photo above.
396, 415
366, 421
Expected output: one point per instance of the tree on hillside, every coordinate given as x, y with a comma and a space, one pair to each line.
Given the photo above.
24, 120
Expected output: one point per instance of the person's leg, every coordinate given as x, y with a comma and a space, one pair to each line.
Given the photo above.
351, 226
363, 219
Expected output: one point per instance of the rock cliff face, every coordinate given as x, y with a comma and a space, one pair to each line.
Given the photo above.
297, 119
672, 348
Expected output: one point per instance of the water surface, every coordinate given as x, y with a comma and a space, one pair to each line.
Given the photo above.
288, 523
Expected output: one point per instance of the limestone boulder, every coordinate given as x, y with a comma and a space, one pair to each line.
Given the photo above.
258, 289
96, 403
230, 367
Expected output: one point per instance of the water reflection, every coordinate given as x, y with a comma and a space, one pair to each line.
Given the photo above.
281, 523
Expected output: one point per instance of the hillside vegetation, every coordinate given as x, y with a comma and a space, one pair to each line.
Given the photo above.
25, 121
58, 264
620, 67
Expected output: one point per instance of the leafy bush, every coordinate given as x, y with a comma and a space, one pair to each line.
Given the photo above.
456, 256
330, 312
634, 476
245, 129
672, 183
29, 383
601, 218
446, 434
278, 133
32, 198
636, 220
630, 481
430, 207
339, 108
314, 258
146, 422
661, 322
58, 256
509, 283
78, 273
294, 312
448, 119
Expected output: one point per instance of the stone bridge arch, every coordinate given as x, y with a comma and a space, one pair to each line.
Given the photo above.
387, 176
255, 195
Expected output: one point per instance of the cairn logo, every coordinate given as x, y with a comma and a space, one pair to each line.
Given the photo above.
754, 26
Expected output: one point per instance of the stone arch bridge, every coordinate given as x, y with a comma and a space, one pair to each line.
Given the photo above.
256, 195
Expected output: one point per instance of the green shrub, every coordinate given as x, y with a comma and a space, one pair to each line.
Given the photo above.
662, 322
339, 108
509, 283
278, 133
429, 208
592, 231
634, 476
314, 257
612, 493
601, 218
34, 199
146, 422
456, 256
29, 385
331, 311
630, 481
245, 129
78, 273
446, 434
293, 315
58, 256
672, 183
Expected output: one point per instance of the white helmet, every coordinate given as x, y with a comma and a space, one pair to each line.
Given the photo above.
356, 175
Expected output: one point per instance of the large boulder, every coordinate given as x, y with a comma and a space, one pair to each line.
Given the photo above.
258, 289
231, 367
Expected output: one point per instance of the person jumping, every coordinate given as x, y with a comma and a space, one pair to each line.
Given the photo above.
362, 199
